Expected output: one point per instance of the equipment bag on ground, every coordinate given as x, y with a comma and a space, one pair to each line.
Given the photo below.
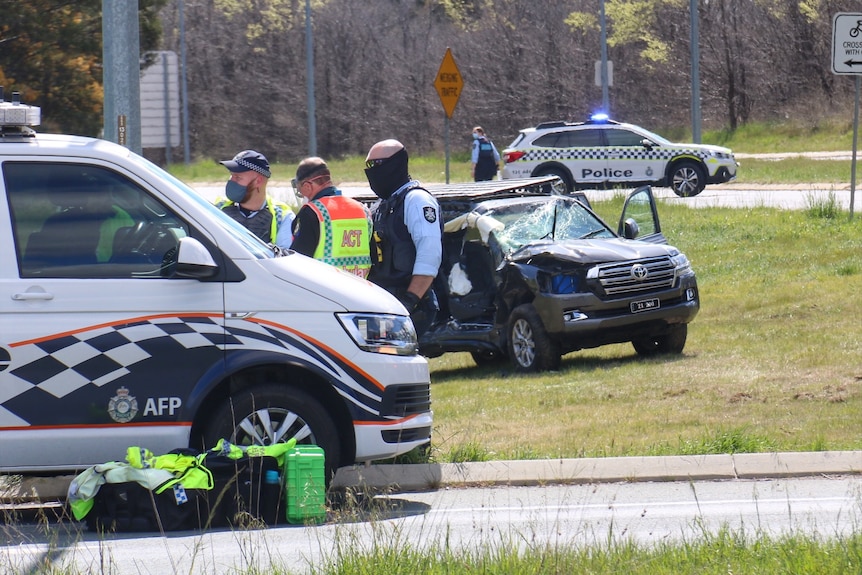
184, 489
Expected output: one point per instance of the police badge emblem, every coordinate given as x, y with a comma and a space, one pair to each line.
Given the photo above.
430, 214
123, 407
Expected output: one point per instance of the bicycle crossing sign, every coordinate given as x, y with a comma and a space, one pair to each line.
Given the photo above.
847, 43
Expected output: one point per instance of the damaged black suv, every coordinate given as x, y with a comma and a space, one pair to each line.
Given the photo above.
532, 273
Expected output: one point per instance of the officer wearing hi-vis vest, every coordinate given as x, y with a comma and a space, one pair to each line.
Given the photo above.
330, 227
408, 233
248, 202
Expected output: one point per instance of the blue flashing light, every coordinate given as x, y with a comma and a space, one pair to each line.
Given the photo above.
599, 117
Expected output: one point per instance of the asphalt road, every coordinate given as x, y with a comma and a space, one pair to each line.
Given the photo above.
495, 517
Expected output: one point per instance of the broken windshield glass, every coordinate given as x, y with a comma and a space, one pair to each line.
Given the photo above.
553, 219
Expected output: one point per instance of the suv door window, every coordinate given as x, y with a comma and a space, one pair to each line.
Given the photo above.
617, 137
589, 138
640, 207
85, 221
547, 140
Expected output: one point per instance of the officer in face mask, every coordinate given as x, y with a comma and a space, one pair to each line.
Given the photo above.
407, 245
248, 203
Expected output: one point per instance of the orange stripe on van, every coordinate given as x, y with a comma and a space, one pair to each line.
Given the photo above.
323, 346
112, 324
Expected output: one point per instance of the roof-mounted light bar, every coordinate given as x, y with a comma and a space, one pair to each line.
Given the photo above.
14, 114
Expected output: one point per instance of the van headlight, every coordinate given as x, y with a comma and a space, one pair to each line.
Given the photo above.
381, 333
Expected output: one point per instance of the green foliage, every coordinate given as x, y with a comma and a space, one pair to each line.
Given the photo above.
52, 54
276, 17
726, 552
723, 441
826, 208
634, 23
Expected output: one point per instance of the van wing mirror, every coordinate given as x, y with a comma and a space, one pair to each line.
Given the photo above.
194, 260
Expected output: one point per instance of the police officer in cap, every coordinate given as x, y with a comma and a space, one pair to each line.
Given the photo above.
407, 245
248, 203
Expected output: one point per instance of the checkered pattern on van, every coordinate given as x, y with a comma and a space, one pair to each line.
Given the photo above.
74, 362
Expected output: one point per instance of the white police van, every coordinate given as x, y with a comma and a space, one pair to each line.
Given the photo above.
133, 312
602, 153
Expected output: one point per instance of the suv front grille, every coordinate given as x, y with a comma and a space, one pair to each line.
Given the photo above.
629, 277
402, 400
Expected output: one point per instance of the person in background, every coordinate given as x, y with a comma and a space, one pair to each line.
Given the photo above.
330, 227
248, 203
407, 244
484, 156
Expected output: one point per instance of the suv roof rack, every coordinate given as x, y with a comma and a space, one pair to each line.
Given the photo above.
17, 119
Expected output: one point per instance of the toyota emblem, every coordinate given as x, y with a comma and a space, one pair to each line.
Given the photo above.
639, 272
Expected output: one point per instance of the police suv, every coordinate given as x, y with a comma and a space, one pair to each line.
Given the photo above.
134, 313
602, 153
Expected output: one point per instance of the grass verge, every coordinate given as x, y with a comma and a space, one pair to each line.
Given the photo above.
773, 361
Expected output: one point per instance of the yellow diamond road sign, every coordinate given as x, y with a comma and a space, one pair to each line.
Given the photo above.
448, 83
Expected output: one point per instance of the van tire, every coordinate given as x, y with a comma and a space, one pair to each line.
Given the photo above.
254, 416
530, 347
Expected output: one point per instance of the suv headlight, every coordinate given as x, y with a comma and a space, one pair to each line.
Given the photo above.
380, 333
681, 264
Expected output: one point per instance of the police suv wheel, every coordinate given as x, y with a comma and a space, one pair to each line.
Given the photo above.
560, 173
687, 179
270, 414
530, 347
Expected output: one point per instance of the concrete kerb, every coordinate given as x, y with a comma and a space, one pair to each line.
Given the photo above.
429, 476
421, 477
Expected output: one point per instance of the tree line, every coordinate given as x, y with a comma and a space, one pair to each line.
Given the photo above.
522, 62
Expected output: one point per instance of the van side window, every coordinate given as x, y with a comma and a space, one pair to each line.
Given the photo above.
84, 221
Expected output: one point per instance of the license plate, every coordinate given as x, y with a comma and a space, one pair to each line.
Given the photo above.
644, 305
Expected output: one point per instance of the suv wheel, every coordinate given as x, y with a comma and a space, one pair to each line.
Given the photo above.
687, 179
671, 342
269, 414
530, 347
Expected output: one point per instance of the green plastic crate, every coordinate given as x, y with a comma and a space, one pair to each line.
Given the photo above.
305, 481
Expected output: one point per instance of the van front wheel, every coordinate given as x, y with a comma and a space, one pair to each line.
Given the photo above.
270, 414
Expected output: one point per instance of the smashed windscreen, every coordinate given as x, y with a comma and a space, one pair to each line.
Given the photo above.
555, 218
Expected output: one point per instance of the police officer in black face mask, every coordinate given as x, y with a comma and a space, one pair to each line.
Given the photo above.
407, 246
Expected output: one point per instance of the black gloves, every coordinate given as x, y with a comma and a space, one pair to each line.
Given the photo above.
409, 300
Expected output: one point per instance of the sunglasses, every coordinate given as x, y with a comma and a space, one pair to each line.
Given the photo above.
373, 163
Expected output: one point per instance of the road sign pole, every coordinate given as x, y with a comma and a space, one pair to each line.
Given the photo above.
853, 158
448, 85
446, 140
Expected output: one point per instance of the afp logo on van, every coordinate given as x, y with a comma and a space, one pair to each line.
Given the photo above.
123, 407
